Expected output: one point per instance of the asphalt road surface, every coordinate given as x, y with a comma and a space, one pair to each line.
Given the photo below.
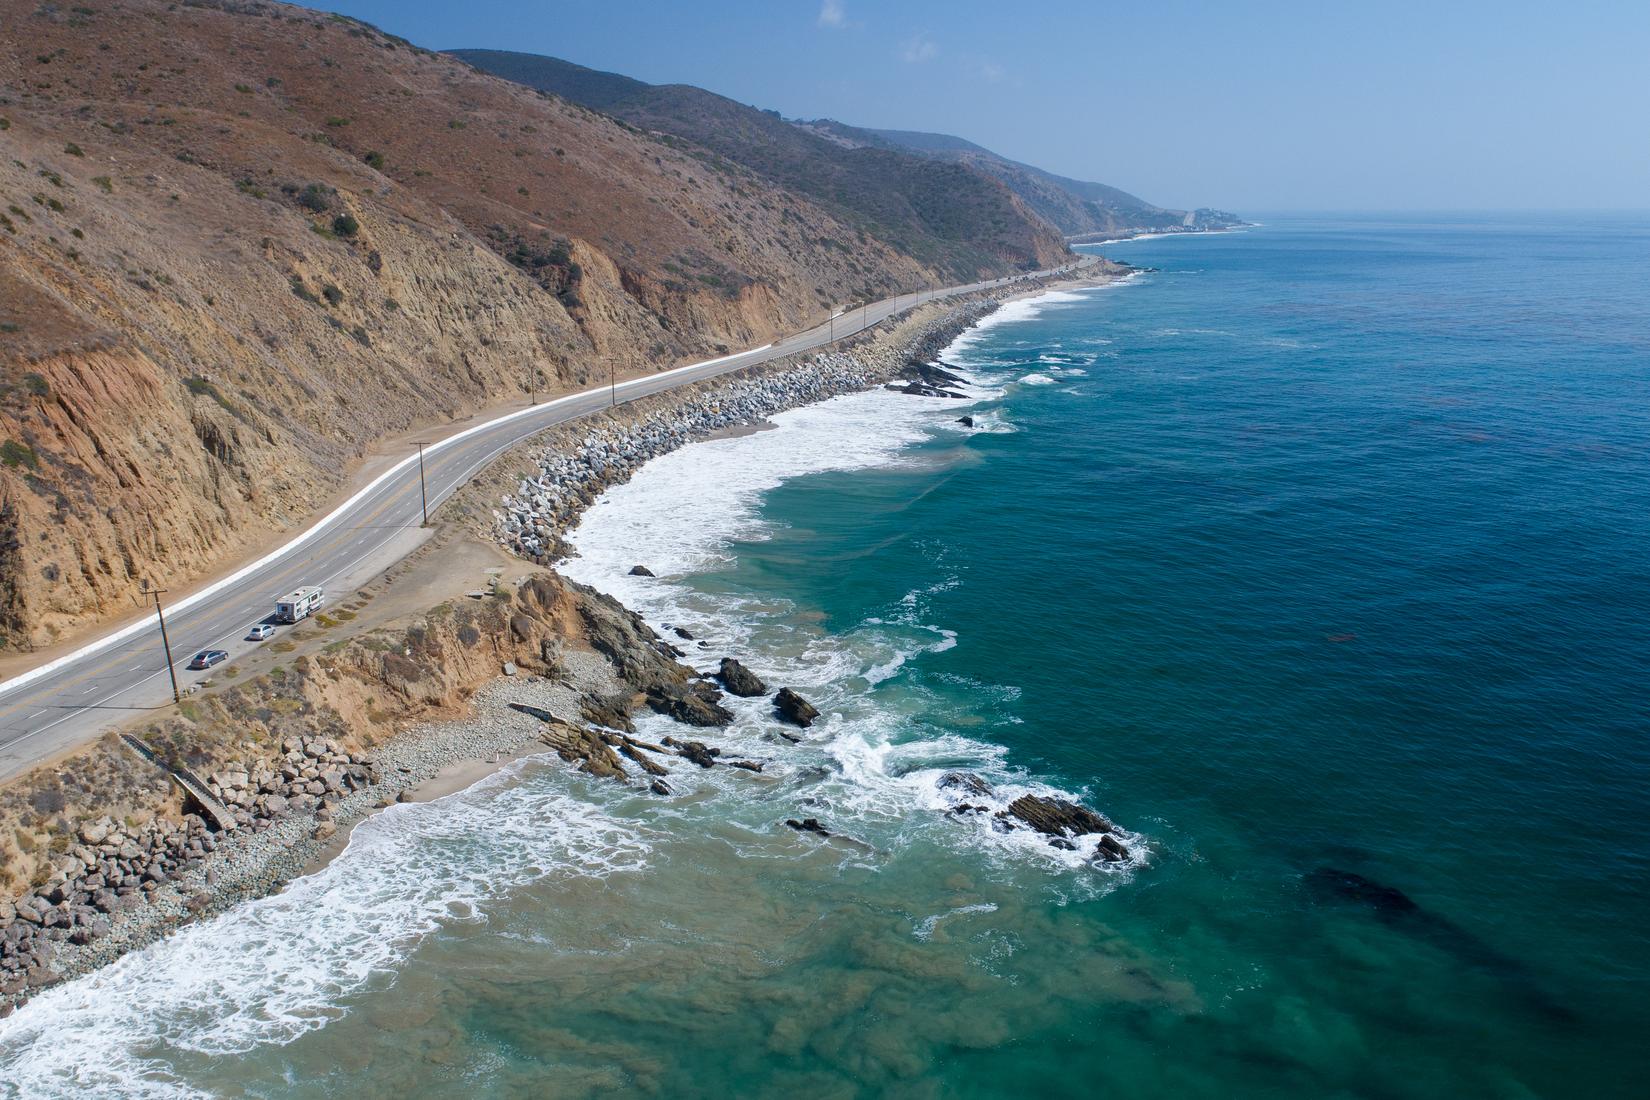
75, 698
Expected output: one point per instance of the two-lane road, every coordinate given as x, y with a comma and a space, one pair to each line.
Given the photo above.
74, 698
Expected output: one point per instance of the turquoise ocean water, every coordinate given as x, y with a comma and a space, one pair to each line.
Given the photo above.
1315, 557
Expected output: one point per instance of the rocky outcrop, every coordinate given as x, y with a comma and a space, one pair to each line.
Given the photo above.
794, 709
739, 680
1057, 817
583, 747
695, 752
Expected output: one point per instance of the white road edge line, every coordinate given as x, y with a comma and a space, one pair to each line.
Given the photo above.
315, 529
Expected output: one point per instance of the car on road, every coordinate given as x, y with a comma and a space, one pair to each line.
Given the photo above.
206, 658
259, 632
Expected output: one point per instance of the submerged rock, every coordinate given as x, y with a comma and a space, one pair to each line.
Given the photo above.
740, 680
795, 709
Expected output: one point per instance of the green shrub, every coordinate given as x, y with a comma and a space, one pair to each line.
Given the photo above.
374, 159
36, 385
74, 150
244, 89
105, 183
345, 225
314, 198
336, 121
15, 454
332, 294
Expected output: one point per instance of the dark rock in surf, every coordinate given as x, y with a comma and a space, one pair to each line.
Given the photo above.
966, 782
918, 371
795, 709
695, 705
1056, 816
922, 389
807, 825
1109, 850
641, 571
695, 752
747, 765
658, 786
966, 421
682, 633
740, 680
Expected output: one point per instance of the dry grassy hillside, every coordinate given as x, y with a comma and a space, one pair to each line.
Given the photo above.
241, 241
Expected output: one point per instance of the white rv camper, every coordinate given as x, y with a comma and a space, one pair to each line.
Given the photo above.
299, 605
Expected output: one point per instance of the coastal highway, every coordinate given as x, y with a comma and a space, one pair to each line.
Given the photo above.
72, 699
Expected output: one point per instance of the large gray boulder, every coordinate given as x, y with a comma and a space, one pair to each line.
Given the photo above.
795, 709
739, 680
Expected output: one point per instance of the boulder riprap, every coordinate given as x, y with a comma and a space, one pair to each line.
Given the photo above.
794, 709
577, 462
739, 680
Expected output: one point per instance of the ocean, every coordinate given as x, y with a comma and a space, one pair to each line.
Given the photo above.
1313, 556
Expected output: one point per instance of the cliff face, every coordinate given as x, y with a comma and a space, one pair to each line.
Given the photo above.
240, 242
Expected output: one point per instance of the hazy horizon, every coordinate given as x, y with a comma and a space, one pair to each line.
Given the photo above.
1276, 107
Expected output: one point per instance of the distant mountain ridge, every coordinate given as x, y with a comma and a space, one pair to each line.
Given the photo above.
760, 140
1078, 208
954, 219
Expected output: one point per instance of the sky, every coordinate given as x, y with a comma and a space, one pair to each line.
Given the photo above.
1249, 107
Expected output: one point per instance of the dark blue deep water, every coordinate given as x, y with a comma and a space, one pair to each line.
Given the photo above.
1337, 556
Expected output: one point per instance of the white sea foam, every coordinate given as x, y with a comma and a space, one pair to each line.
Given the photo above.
270, 970
865, 759
1036, 380
925, 928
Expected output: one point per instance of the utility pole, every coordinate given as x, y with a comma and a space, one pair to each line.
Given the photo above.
423, 494
533, 384
165, 642
612, 382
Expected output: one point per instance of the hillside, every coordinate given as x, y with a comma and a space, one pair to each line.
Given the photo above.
1078, 208
959, 221
241, 242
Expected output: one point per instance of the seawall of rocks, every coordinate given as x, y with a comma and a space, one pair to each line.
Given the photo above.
575, 464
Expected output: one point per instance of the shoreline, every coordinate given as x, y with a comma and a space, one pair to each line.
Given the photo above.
436, 758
